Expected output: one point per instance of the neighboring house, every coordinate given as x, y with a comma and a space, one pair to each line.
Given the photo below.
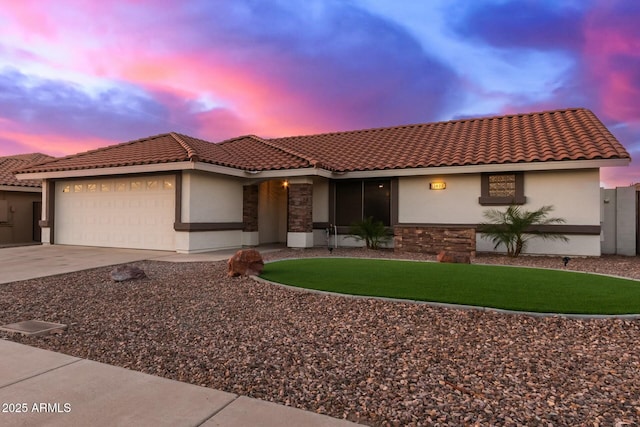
20, 201
430, 182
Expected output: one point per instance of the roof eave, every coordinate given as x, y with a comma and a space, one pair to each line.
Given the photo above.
493, 167
264, 173
317, 171
105, 171
21, 189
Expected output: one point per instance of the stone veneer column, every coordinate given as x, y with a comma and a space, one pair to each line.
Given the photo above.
300, 213
250, 235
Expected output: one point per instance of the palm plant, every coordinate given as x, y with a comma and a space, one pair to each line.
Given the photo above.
514, 227
374, 233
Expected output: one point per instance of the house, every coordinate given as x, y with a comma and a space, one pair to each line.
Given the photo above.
430, 182
20, 201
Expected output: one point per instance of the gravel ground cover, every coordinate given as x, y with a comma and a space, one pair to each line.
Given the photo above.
370, 361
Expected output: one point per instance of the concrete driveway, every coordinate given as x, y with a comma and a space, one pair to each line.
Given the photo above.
30, 262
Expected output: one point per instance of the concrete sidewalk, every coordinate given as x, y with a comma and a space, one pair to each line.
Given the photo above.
40, 387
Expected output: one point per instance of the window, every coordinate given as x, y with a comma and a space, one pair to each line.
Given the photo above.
348, 202
377, 198
359, 199
502, 189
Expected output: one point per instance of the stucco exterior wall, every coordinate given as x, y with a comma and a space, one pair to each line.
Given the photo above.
211, 198
320, 200
619, 220
574, 194
203, 241
457, 204
608, 219
578, 245
625, 220
46, 237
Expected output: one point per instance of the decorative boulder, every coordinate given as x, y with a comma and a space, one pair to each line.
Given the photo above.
245, 262
454, 257
127, 272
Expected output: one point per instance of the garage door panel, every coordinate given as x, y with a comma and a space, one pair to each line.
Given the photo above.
119, 212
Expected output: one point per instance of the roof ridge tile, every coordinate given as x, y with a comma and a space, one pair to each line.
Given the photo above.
191, 152
238, 138
313, 162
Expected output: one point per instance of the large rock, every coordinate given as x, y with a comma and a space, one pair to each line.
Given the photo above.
454, 257
127, 272
245, 262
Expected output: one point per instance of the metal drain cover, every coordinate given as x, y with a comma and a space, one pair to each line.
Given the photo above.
34, 327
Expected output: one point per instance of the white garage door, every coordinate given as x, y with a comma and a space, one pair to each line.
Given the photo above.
135, 212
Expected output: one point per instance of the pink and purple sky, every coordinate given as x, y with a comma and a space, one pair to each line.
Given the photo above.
80, 74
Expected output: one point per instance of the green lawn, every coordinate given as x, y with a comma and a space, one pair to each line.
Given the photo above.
512, 288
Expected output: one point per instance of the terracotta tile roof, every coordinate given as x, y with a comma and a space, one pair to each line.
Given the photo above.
247, 153
571, 134
259, 154
9, 164
155, 149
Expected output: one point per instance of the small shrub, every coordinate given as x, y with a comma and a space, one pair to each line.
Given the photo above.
374, 233
513, 227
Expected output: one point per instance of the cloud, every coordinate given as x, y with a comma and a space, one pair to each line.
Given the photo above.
330, 65
525, 24
217, 69
11, 146
277, 67
612, 70
59, 106
612, 54
16, 138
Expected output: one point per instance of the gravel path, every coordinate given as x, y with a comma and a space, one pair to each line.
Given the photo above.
370, 361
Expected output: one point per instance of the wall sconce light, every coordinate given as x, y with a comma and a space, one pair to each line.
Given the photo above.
285, 184
437, 185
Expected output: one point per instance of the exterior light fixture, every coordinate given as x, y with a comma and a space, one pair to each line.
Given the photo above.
437, 185
285, 184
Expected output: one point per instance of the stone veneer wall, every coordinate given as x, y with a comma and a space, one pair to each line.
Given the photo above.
433, 239
250, 208
300, 208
